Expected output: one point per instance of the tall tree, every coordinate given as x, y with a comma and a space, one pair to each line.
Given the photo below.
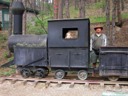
10, 25
60, 11
122, 4
10, 18
55, 9
113, 20
76, 4
82, 8
42, 5
46, 7
119, 10
108, 18
67, 8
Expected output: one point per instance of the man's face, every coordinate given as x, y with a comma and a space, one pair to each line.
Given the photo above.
98, 30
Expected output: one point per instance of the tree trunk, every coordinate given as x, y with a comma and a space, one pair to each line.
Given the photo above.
10, 19
108, 19
119, 11
60, 11
82, 8
42, 5
76, 4
122, 4
55, 9
67, 8
10, 25
46, 7
113, 20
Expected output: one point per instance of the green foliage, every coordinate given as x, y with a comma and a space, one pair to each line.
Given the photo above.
11, 58
98, 5
3, 38
97, 19
6, 0
39, 23
125, 15
35, 29
103, 19
5, 54
74, 12
7, 71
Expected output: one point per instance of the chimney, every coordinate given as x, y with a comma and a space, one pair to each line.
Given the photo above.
17, 10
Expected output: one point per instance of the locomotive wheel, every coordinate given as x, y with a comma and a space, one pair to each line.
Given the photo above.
113, 78
59, 74
40, 73
25, 72
82, 75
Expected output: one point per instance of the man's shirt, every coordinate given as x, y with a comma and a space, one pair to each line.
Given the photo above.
98, 40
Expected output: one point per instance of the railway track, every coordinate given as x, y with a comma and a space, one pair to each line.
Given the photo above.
71, 82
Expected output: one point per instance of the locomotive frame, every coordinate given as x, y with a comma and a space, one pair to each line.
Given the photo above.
37, 54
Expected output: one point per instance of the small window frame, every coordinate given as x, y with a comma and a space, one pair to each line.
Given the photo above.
70, 33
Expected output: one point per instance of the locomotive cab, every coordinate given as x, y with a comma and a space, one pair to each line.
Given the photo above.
68, 46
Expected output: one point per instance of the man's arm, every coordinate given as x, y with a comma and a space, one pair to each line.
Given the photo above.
91, 40
105, 40
91, 44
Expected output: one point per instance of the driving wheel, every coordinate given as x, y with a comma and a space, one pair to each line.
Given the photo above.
59, 74
113, 78
40, 73
82, 75
25, 72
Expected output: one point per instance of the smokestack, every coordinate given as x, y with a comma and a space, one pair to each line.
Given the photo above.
17, 10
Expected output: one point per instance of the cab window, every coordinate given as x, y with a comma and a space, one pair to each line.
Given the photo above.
70, 33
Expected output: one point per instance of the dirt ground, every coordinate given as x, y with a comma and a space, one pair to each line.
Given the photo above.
18, 89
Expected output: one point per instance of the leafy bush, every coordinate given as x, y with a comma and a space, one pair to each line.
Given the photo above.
7, 71
98, 5
39, 23
2, 38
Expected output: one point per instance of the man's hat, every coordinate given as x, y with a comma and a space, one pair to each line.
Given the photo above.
98, 27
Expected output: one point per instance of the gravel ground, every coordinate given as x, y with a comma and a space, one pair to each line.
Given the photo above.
18, 89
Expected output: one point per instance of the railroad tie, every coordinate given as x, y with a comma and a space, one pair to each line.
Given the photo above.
35, 83
14, 81
59, 84
86, 85
2, 81
117, 86
102, 85
24, 82
72, 85
47, 84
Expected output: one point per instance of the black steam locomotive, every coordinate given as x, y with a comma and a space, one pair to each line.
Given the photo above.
38, 54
